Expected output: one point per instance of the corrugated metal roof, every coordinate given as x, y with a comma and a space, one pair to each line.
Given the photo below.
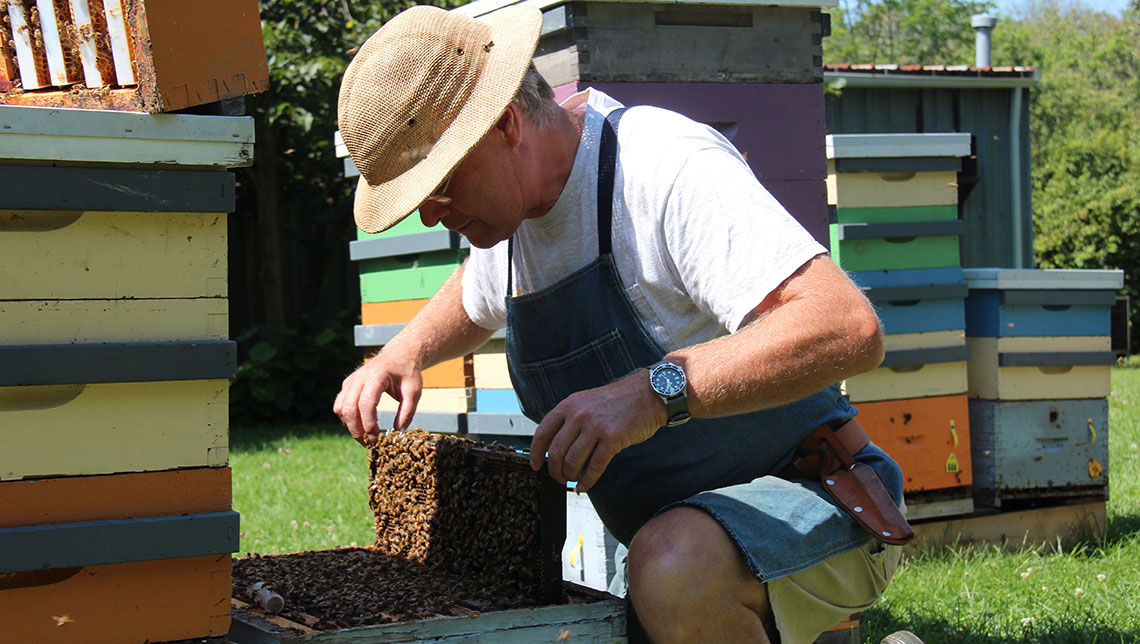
893, 74
1016, 71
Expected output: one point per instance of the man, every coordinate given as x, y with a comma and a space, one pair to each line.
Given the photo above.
609, 241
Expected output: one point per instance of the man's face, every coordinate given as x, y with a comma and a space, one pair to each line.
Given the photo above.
482, 202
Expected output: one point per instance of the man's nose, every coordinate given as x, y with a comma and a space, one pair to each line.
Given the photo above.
431, 212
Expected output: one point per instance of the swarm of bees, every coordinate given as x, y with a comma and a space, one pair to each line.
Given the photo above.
457, 529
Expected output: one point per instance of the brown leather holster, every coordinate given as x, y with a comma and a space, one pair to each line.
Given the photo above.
828, 456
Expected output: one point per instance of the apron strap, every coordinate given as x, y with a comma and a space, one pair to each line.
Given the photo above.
607, 165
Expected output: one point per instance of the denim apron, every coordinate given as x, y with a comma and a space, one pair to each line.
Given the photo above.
583, 332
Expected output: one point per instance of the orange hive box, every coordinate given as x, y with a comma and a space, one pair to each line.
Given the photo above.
458, 372
928, 437
157, 600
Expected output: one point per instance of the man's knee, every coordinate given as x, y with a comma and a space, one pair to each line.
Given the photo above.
668, 552
684, 570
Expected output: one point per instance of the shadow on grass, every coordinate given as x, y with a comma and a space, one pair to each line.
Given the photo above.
989, 628
258, 437
1122, 527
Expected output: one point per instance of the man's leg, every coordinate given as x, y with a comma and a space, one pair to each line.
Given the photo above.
690, 583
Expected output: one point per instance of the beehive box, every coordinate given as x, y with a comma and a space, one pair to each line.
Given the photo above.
930, 440
1040, 368
895, 198
1038, 449
738, 42
469, 541
137, 55
912, 373
1007, 302
916, 300
115, 502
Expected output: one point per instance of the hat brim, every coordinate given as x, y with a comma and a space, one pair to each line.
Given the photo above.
515, 32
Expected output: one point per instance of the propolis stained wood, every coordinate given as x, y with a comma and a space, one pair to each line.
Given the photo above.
1039, 448
112, 255
115, 496
71, 430
929, 437
149, 601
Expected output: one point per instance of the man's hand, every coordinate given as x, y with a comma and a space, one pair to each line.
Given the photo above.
360, 392
584, 432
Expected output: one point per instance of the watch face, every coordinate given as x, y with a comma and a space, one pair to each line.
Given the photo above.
667, 379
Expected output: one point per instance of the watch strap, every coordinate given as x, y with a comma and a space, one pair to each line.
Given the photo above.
676, 406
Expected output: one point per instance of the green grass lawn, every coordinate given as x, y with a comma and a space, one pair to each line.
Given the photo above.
1090, 594
300, 487
305, 488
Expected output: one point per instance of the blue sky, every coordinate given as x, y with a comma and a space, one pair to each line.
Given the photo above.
1115, 7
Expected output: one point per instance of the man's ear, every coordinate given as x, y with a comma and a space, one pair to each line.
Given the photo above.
510, 125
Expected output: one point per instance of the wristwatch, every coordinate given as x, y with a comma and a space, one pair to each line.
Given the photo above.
667, 380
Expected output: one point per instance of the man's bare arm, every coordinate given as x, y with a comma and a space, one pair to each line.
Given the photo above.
813, 331
440, 331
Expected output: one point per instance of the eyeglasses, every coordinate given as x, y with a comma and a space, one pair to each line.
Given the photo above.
438, 195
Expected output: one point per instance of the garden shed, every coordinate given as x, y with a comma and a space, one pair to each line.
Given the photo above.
991, 104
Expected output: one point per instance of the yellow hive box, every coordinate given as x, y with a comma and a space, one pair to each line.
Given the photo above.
1059, 377
891, 189
72, 430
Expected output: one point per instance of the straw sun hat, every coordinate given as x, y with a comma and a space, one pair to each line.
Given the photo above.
420, 93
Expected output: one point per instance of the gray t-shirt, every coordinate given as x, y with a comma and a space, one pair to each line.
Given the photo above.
697, 240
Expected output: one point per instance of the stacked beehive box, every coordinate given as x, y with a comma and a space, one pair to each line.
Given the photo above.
1040, 373
894, 198
115, 499
140, 55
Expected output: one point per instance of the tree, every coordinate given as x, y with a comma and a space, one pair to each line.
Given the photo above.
902, 31
291, 281
1085, 128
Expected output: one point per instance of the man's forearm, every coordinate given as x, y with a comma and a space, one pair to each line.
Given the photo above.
442, 330
828, 333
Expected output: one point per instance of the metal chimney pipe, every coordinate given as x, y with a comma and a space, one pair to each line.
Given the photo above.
982, 23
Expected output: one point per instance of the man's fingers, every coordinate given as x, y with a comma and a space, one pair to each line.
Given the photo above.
568, 434
543, 435
577, 454
409, 400
599, 461
349, 412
